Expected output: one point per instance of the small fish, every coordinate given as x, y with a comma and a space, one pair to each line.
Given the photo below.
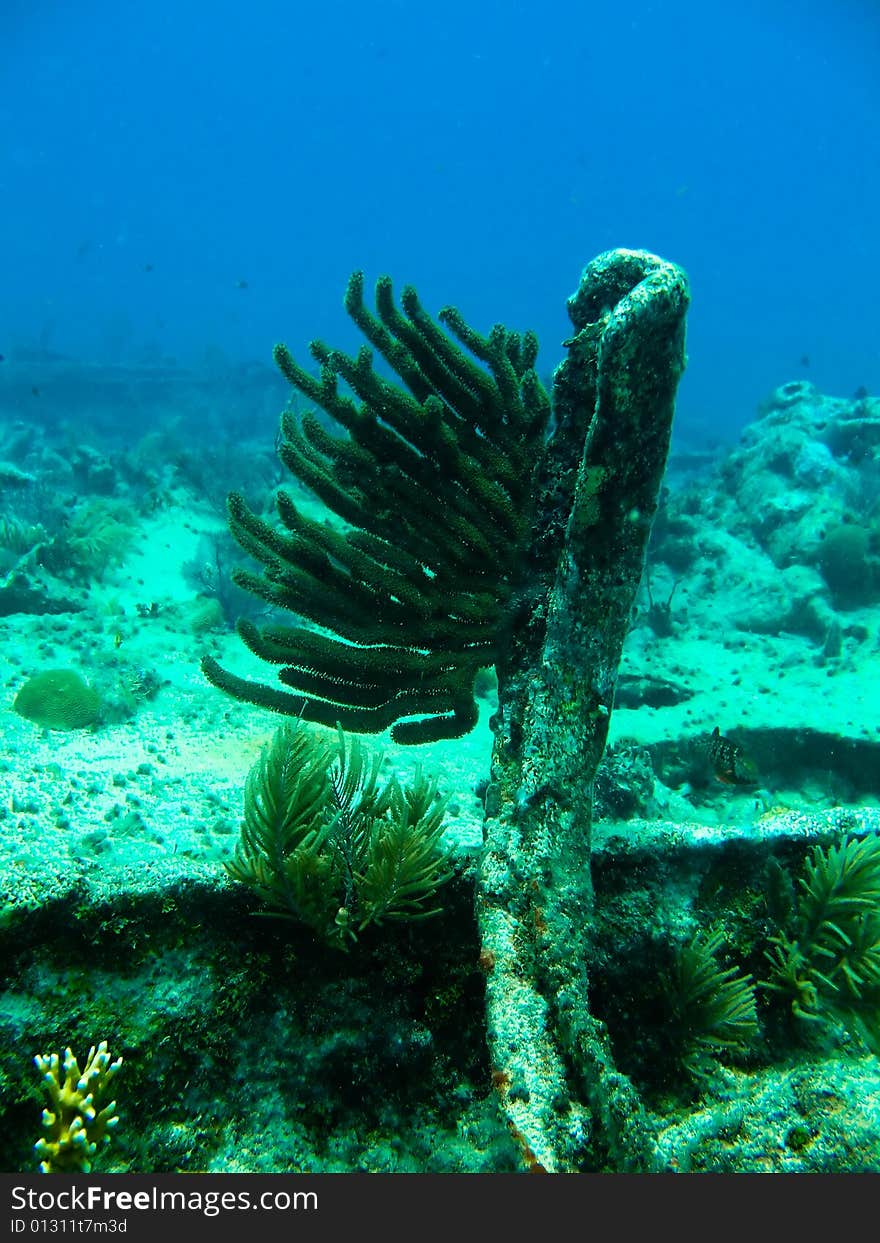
117, 639
241, 284
805, 360
729, 762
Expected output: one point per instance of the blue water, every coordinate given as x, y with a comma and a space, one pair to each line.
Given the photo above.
178, 178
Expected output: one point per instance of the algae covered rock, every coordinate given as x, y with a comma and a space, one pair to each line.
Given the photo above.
58, 699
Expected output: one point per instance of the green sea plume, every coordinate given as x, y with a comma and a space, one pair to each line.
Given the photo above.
58, 699
325, 843
827, 963
713, 1006
408, 595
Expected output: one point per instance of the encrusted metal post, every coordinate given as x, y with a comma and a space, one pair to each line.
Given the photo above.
613, 404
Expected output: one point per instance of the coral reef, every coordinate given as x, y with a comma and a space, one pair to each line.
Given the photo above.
477, 540
611, 963
249, 1047
773, 620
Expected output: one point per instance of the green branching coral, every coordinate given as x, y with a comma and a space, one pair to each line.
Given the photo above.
433, 480
713, 1007
80, 1119
828, 963
324, 843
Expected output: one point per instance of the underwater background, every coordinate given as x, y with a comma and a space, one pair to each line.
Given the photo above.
183, 187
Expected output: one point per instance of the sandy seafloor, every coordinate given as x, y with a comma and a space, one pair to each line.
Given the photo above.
169, 781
